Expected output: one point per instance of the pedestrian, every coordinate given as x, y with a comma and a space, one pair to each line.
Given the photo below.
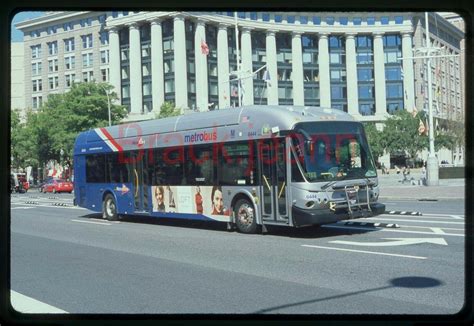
383, 169
397, 169
423, 175
404, 172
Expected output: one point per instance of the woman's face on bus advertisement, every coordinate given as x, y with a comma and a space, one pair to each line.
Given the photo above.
218, 201
159, 196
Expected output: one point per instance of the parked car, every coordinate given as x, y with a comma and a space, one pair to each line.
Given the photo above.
18, 182
58, 185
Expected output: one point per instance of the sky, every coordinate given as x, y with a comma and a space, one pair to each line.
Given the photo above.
16, 35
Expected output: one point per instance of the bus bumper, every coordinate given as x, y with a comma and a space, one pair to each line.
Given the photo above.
303, 217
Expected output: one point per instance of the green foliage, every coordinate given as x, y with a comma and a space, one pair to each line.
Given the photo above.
168, 109
23, 141
376, 139
58, 122
401, 134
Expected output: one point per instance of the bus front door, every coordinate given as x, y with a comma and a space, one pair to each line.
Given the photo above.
273, 180
139, 181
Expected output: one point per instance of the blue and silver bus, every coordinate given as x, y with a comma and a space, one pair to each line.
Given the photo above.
249, 167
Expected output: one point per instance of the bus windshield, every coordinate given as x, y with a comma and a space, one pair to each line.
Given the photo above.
336, 150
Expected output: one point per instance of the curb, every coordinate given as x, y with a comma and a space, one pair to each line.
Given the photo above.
62, 204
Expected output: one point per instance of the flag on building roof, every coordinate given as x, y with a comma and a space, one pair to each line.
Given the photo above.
204, 48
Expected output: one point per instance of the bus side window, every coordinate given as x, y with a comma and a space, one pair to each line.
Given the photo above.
95, 168
295, 171
199, 165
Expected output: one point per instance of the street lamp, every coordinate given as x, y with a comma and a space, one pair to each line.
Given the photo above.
108, 102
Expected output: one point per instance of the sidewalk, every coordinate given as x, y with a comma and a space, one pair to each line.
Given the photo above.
391, 187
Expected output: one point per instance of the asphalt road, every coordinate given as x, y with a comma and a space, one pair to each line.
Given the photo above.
70, 259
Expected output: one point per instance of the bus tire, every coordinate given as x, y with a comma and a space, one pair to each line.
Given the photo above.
109, 208
245, 218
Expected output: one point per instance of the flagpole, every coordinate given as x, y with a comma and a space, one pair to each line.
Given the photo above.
238, 56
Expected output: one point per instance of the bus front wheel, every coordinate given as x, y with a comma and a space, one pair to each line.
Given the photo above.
245, 216
109, 208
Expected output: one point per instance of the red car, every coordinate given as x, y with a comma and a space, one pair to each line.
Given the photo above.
57, 185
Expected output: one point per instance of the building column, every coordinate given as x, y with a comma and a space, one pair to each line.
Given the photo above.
223, 67
136, 93
351, 68
200, 59
324, 79
271, 52
379, 72
297, 66
180, 63
247, 67
114, 64
408, 76
157, 73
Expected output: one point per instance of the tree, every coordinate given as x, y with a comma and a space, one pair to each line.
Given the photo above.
23, 140
401, 134
168, 109
62, 117
376, 139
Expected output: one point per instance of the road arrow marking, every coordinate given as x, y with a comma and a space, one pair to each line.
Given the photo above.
394, 242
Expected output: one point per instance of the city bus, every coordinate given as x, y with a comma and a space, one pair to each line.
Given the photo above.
249, 167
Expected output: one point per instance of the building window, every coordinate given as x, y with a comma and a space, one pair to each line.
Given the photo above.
357, 21
125, 72
367, 109
124, 54
146, 69
169, 86
146, 50
291, 19
394, 90
366, 92
86, 22
69, 45
370, 20
37, 85
87, 41
265, 17
105, 74
114, 14
68, 26
36, 51
278, 18
330, 20
102, 18
147, 89
87, 60
384, 20
316, 20
398, 19
303, 20
126, 91
51, 30
70, 62
104, 57
104, 38
343, 20
53, 48
394, 73
70, 80
37, 102
36, 68
53, 82
365, 74
253, 16
53, 65
87, 76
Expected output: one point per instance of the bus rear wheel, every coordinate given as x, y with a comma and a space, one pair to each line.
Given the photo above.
109, 208
245, 218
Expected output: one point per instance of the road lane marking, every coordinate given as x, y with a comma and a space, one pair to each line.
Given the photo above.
63, 207
385, 230
394, 242
26, 207
416, 217
24, 304
91, 222
416, 221
365, 252
437, 230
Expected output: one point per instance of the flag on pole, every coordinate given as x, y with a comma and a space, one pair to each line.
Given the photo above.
204, 48
421, 128
266, 78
